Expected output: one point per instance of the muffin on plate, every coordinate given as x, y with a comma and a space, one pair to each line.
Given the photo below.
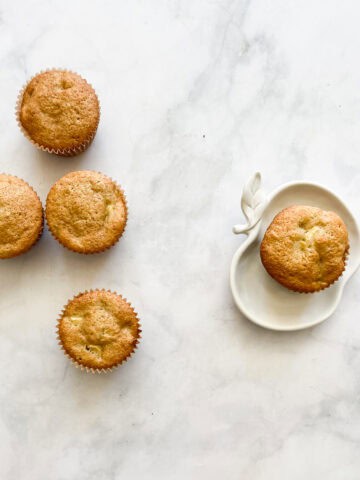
86, 211
59, 112
305, 248
21, 216
98, 330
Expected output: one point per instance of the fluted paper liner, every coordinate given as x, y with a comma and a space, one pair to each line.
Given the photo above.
42, 220
75, 362
63, 152
115, 240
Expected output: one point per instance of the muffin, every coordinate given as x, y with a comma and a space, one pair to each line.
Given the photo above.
98, 330
86, 211
21, 216
305, 248
59, 112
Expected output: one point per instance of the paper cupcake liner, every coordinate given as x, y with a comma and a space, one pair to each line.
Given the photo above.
41, 231
63, 152
96, 369
102, 249
346, 256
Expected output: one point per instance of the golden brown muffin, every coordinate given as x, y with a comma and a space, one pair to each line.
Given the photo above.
305, 248
98, 330
21, 216
86, 211
59, 112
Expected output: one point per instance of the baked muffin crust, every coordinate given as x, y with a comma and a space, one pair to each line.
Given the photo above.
305, 248
21, 216
86, 211
59, 110
98, 329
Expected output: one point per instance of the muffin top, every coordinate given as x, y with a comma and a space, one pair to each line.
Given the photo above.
21, 216
86, 211
98, 329
59, 110
305, 248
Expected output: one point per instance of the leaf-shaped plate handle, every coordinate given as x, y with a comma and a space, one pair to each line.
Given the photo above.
253, 204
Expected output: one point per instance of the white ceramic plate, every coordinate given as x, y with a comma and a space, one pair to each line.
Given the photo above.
257, 295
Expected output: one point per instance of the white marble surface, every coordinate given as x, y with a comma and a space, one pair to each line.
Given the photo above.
196, 95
